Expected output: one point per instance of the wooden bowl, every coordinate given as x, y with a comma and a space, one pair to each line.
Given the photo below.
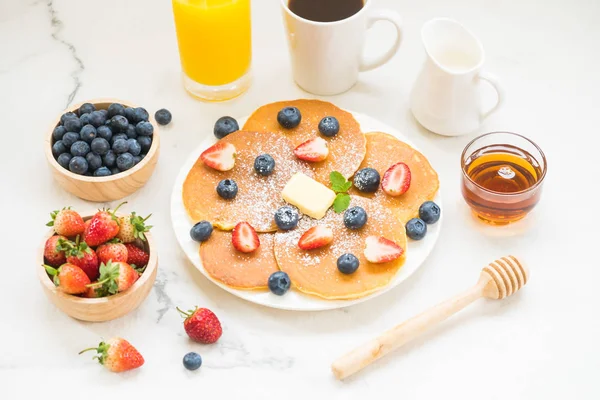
103, 308
105, 188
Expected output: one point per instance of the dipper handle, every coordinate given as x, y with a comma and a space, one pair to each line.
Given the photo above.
399, 335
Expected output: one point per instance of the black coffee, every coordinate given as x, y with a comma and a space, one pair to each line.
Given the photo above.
325, 10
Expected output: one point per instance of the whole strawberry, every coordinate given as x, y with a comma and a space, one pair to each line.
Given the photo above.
132, 227
52, 255
117, 355
80, 254
115, 277
104, 226
201, 325
69, 278
112, 251
66, 222
136, 256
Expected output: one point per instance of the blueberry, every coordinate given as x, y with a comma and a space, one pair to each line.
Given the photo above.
110, 159
98, 118
279, 283
64, 159
355, 217
125, 161
102, 171
104, 132
73, 124
137, 159
117, 137
227, 189
130, 132
58, 148
224, 126
140, 114
100, 146
70, 138
192, 361
78, 165
85, 119
66, 116
289, 117
367, 180
347, 263
115, 170
129, 113
120, 146
86, 108
429, 212
134, 147
88, 133
416, 229
286, 217
104, 112
329, 126
118, 123
264, 164
144, 128
94, 161
143, 155
59, 132
115, 109
145, 142
163, 116
201, 231
80, 148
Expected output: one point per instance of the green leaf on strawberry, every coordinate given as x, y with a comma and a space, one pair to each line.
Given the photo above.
139, 226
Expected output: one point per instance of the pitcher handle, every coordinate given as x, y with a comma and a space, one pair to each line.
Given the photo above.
394, 18
493, 80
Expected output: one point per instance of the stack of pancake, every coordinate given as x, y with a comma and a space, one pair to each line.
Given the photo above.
313, 272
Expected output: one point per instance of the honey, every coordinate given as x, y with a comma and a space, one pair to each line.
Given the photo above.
500, 182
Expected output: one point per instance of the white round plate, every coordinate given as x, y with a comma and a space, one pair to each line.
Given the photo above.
416, 254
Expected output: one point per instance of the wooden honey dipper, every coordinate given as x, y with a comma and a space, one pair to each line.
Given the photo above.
498, 280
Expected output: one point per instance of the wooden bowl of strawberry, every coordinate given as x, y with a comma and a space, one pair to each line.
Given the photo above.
97, 267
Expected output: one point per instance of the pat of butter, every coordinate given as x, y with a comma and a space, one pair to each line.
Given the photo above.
311, 197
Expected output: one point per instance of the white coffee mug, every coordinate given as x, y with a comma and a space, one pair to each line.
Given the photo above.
327, 56
446, 97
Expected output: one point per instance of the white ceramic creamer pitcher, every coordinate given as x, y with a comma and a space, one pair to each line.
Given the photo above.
446, 97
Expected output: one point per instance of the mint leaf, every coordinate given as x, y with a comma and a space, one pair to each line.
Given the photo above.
341, 202
338, 182
347, 186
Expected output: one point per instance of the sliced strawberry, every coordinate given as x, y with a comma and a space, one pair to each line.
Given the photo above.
396, 179
221, 156
380, 250
244, 238
315, 237
312, 150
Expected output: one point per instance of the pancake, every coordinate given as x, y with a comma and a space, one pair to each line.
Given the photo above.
346, 149
239, 270
258, 196
315, 271
383, 151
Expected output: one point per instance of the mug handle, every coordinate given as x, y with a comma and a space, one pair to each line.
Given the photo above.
493, 80
394, 18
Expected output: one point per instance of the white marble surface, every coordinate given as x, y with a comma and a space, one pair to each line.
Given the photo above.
543, 343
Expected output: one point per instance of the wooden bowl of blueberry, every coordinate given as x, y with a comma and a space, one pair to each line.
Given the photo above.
105, 149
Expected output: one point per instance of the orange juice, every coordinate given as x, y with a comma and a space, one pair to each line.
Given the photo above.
214, 38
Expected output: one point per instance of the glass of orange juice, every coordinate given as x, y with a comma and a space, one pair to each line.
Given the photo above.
215, 47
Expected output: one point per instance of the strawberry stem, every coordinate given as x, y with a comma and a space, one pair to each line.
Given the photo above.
186, 314
51, 270
88, 349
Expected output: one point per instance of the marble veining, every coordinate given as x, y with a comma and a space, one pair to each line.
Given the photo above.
57, 26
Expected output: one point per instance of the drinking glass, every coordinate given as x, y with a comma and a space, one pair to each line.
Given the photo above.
215, 47
502, 178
